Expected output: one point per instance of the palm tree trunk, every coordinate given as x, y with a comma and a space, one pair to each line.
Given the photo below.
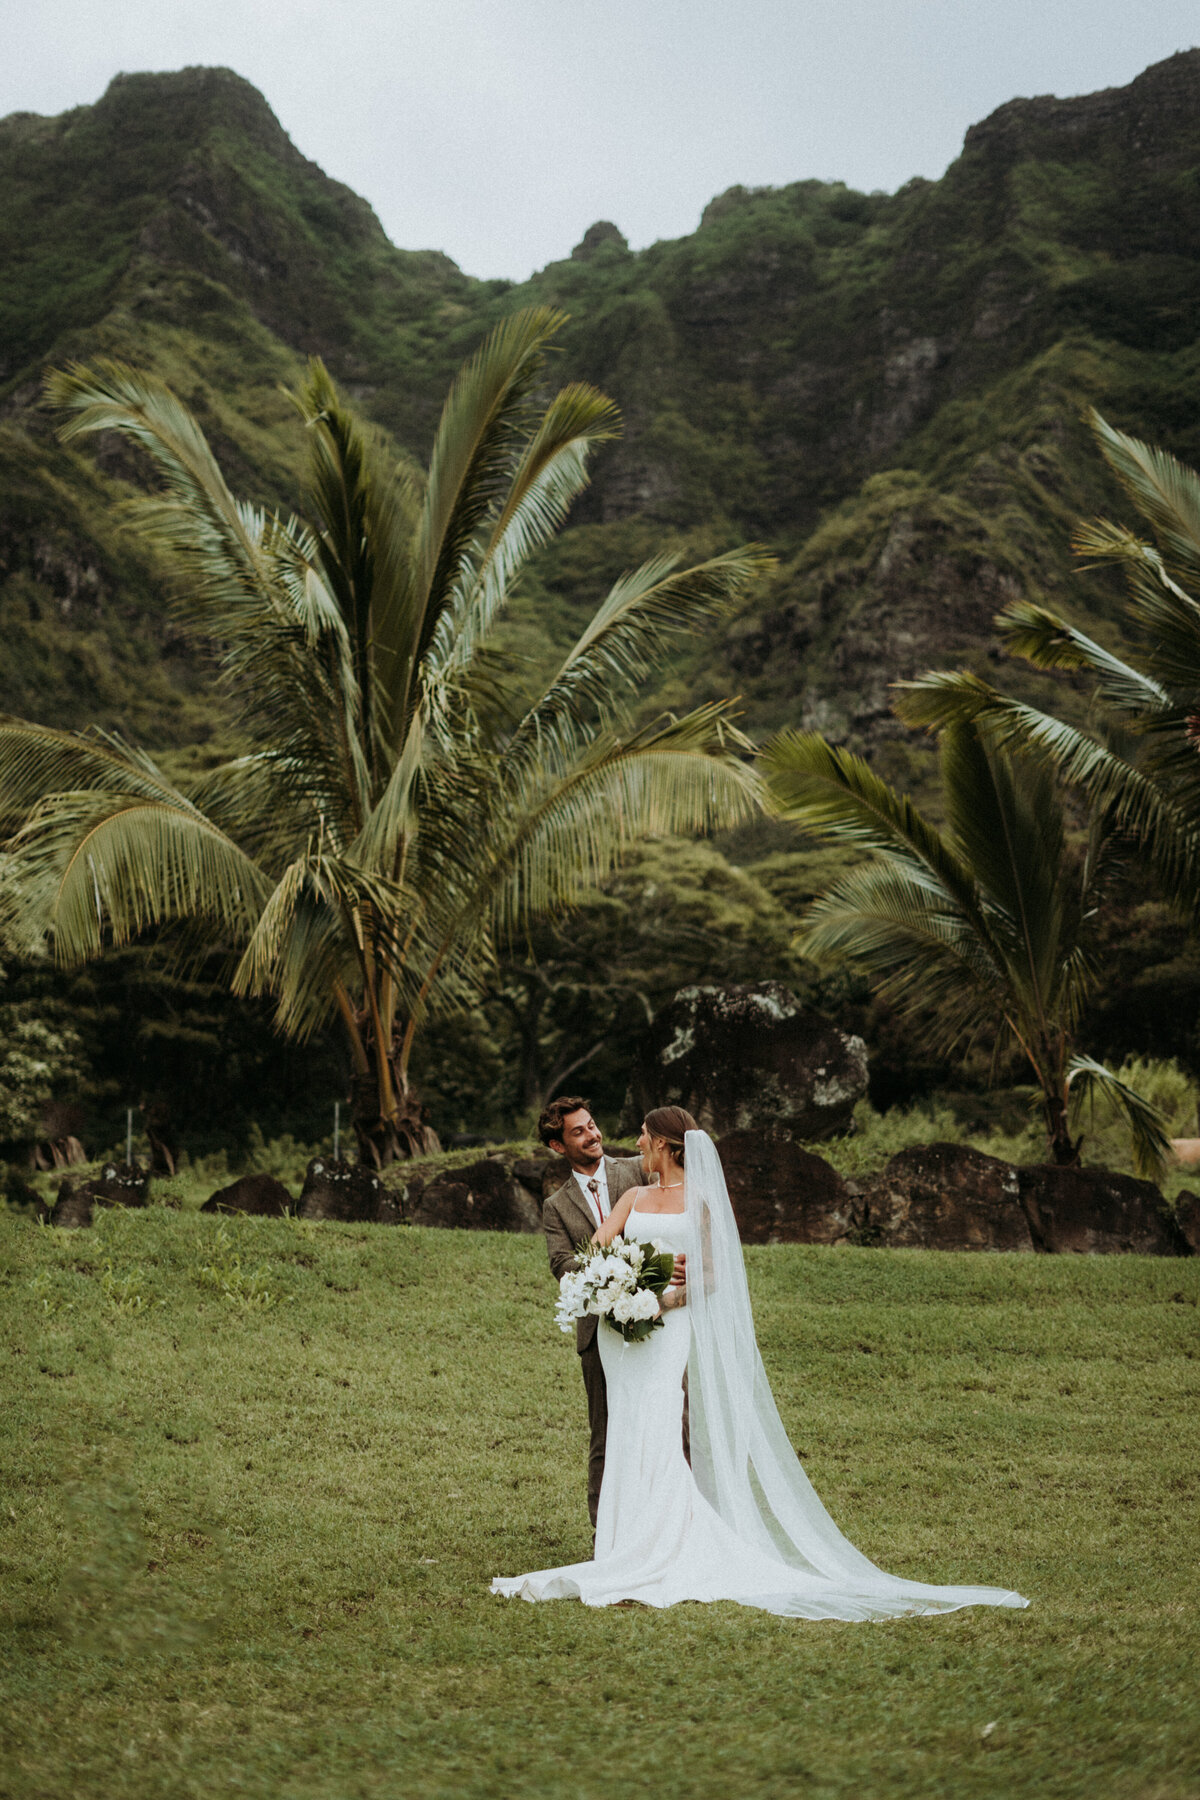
1064, 1149
401, 1131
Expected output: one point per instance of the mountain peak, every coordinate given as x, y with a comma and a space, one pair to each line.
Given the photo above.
188, 103
1155, 116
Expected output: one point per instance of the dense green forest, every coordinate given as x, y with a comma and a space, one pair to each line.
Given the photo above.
887, 389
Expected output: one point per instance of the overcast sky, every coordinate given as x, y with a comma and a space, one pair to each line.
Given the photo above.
498, 130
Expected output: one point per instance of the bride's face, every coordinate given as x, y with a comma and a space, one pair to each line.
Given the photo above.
651, 1151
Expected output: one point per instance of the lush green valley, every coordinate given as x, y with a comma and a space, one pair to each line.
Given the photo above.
887, 389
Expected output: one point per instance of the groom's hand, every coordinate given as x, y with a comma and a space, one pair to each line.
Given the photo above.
679, 1272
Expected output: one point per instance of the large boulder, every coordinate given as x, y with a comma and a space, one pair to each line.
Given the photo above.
121, 1184
782, 1194
261, 1195
118, 1184
1092, 1210
72, 1209
346, 1192
749, 1058
1187, 1219
503, 1191
945, 1197
540, 1174
486, 1196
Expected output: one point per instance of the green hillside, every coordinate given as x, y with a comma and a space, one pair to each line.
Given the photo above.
174, 224
888, 388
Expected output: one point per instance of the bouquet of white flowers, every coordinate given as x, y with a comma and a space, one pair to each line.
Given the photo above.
619, 1282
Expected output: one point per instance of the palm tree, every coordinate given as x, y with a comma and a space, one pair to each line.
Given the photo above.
393, 810
1141, 763
981, 924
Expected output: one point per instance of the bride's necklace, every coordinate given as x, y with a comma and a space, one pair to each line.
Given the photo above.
668, 1187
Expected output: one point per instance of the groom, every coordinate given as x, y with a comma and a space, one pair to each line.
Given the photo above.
571, 1215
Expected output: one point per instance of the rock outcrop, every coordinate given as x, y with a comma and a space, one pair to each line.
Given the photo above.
1187, 1220
347, 1193
118, 1184
1091, 1211
72, 1209
945, 1197
485, 1196
782, 1194
261, 1195
747, 1058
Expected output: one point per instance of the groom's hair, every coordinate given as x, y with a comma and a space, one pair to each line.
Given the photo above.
550, 1124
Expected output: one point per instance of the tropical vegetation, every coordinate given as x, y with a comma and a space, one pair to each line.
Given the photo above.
398, 803
887, 388
983, 925
1140, 760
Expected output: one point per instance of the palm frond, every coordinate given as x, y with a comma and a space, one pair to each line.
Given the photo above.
313, 962
218, 538
396, 813
833, 793
1165, 491
551, 473
643, 613
913, 941
94, 866
558, 832
479, 441
1043, 638
253, 799
1134, 802
368, 509
1006, 823
36, 760
1164, 615
1088, 1080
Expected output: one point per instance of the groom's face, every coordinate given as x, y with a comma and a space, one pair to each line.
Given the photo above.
581, 1142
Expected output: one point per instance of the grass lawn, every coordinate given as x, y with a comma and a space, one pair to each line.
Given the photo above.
258, 1474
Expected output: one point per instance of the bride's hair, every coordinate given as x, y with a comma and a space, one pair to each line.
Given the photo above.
671, 1123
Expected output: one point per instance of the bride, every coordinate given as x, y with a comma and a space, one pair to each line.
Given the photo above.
743, 1522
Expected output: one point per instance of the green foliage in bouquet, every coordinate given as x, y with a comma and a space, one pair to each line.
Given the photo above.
655, 1278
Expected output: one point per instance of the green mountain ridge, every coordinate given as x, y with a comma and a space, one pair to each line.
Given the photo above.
887, 388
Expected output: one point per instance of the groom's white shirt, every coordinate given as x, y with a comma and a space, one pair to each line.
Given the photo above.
601, 1212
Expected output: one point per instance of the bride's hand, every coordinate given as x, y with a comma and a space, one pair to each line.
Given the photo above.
672, 1297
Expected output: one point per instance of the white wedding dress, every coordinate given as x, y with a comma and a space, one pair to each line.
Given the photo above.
743, 1523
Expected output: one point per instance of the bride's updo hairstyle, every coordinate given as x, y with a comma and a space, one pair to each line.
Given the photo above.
672, 1123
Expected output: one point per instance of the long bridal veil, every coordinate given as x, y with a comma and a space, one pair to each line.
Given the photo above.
742, 1460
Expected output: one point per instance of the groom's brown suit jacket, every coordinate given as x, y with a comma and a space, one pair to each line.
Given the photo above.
568, 1222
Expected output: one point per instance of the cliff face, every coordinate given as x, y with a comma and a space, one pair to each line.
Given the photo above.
886, 387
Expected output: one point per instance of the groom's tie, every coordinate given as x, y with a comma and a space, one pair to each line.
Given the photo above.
594, 1191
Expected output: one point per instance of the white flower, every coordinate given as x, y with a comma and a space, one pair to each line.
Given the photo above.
631, 1307
607, 1286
